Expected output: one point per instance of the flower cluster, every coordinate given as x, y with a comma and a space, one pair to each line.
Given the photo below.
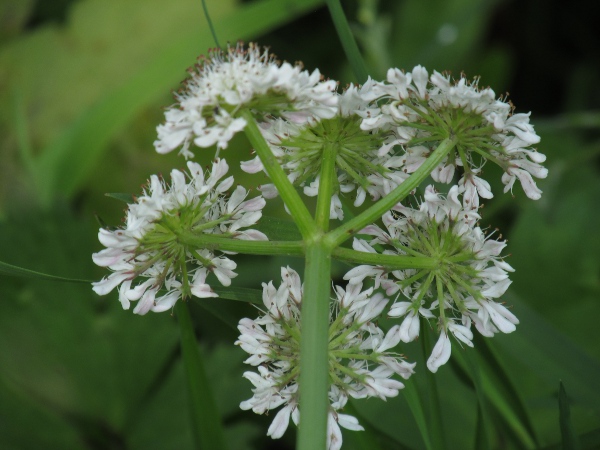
362, 161
425, 109
459, 289
359, 364
430, 260
150, 255
220, 86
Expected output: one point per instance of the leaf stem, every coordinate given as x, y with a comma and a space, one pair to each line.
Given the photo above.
436, 429
335, 237
216, 242
326, 182
291, 198
392, 262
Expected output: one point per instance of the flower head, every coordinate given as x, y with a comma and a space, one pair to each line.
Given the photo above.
458, 289
362, 159
207, 109
427, 109
150, 257
359, 364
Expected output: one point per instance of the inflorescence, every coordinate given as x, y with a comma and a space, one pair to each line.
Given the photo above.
375, 136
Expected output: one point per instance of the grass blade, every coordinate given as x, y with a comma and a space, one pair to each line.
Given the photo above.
206, 422
569, 438
348, 42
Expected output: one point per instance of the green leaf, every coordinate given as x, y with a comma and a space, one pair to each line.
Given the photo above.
239, 294
569, 438
415, 404
127, 198
63, 165
278, 229
496, 378
550, 355
206, 421
14, 271
484, 437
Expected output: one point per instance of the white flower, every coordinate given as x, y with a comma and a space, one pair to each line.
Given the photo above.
364, 160
427, 109
359, 365
469, 275
237, 78
150, 263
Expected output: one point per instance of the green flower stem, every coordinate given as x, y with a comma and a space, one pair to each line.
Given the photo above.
314, 352
436, 429
388, 261
348, 42
335, 237
206, 422
326, 181
296, 206
216, 242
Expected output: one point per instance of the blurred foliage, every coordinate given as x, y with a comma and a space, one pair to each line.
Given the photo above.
82, 87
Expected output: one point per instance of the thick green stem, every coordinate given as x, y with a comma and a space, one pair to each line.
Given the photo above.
216, 242
206, 422
288, 193
392, 262
335, 237
314, 356
326, 182
348, 42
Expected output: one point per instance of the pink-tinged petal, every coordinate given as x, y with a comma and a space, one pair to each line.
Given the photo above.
280, 423
106, 285
349, 422
440, 354
253, 166
145, 303
334, 434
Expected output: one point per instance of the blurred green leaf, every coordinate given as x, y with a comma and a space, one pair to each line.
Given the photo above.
127, 198
206, 420
415, 404
279, 229
569, 438
238, 293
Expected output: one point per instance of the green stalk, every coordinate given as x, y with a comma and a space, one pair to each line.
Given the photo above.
288, 193
210, 24
314, 355
335, 237
216, 242
436, 429
326, 182
347, 39
392, 262
206, 422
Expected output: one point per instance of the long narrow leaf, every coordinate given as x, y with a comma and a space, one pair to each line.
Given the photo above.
484, 425
206, 422
415, 403
567, 432
550, 355
14, 271
240, 294
348, 42
507, 390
